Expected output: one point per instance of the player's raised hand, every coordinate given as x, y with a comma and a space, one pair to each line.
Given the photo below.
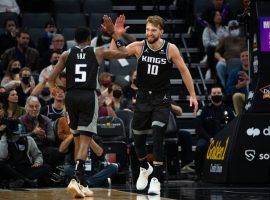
108, 25
119, 27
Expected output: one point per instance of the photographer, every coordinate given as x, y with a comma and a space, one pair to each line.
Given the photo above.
210, 120
21, 162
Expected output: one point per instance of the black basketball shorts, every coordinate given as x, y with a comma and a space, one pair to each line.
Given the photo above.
82, 109
150, 109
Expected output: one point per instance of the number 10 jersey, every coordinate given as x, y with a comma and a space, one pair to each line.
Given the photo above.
154, 68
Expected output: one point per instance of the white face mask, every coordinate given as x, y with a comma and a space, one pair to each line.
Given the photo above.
106, 38
235, 32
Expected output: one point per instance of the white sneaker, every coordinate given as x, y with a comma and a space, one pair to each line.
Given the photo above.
208, 74
154, 188
74, 189
186, 170
142, 181
204, 60
154, 197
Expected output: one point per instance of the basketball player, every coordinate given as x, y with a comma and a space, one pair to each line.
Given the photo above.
151, 113
81, 63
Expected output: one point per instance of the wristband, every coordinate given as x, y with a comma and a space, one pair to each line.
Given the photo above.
119, 43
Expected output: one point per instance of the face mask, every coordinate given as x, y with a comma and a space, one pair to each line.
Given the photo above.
135, 82
117, 94
54, 62
106, 82
50, 35
106, 38
216, 98
26, 80
235, 32
45, 92
15, 70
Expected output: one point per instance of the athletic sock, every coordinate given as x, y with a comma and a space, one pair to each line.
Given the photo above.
79, 172
157, 171
144, 164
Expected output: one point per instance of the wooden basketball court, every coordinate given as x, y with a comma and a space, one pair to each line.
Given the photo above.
61, 193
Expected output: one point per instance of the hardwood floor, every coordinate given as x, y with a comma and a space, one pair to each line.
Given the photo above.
61, 193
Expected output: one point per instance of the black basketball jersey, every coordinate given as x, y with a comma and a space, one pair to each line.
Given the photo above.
154, 68
81, 68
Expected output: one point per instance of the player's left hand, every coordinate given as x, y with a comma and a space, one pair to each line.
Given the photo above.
193, 101
119, 27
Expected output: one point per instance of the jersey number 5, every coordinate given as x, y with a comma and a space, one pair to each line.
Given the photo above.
79, 70
152, 69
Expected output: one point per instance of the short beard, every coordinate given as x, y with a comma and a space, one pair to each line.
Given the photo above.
154, 40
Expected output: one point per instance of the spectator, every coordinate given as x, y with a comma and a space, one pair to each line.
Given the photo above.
118, 100
9, 6
42, 130
229, 47
26, 86
2, 90
12, 72
45, 41
105, 108
58, 44
238, 81
23, 86
131, 89
25, 54
12, 109
211, 36
44, 74
56, 109
20, 158
210, 120
104, 80
242, 12
98, 171
223, 8
63, 79
8, 38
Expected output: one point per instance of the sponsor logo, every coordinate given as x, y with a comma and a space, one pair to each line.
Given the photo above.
250, 154
215, 168
264, 156
253, 132
265, 91
217, 149
108, 125
162, 52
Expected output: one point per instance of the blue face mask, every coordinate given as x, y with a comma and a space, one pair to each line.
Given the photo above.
50, 35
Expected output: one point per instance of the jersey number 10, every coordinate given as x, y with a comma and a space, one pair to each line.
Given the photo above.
152, 69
